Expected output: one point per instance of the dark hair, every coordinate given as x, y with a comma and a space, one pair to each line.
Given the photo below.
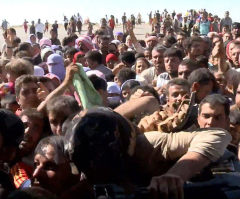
179, 82
32, 113
12, 30
192, 65
216, 99
71, 51
24, 46
94, 56
65, 105
159, 48
189, 42
202, 61
173, 52
128, 58
130, 84
125, 74
67, 40
170, 40
202, 76
11, 128
139, 55
98, 82
234, 117
57, 142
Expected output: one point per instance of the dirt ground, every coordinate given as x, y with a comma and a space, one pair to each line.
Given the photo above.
140, 31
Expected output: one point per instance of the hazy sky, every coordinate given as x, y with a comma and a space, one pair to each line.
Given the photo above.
15, 11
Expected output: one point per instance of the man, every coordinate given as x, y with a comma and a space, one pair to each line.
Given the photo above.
52, 167
106, 29
204, 24
124, 21
150, 75
54, 37
32, 28
172, 59
55, 27
235, 30
94, 61
214, 112
203, 82
11, 134
185, 68
39, 30
116, 153
193, 47
26, 91
226, 21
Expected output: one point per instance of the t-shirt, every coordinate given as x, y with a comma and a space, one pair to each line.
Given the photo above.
156, 152
39, 27
148, 76
106, 71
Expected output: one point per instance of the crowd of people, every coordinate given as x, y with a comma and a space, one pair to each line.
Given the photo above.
107, 108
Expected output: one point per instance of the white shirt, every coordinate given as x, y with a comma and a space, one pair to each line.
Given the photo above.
39, 27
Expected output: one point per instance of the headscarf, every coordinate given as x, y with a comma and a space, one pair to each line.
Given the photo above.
111, 57
56, 65
76, 55
45, 51
86, 40
38, 71
29, 38
45, 42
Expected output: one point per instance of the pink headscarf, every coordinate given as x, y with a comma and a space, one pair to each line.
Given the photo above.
86, 40
45, 42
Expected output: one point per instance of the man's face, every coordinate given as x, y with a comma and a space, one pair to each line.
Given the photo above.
183, 71
235, 55
152, 43
180, 39
28, 96
236, 31
157, 60
171, 65
33, 132
50, 174
176, 94
196, 48
103, 44
213, 117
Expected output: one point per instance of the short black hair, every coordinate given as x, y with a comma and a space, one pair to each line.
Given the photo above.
177, 81
125, 74
94, 56
191, 64
173, 52
189, 42
128, 57
216, 99
234, 117
202, 76
98, 82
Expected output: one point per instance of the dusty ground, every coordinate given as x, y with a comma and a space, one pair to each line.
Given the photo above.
140, 31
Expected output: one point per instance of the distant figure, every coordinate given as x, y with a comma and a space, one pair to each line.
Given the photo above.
39, 30
79, 23
25, 25
139, 18
65, 20
54, 37
32, 28
73, 23
150, 18
55, 27
133, 20
124, 22
158, 16
46, 26
4, 24
226, 21
111, 22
